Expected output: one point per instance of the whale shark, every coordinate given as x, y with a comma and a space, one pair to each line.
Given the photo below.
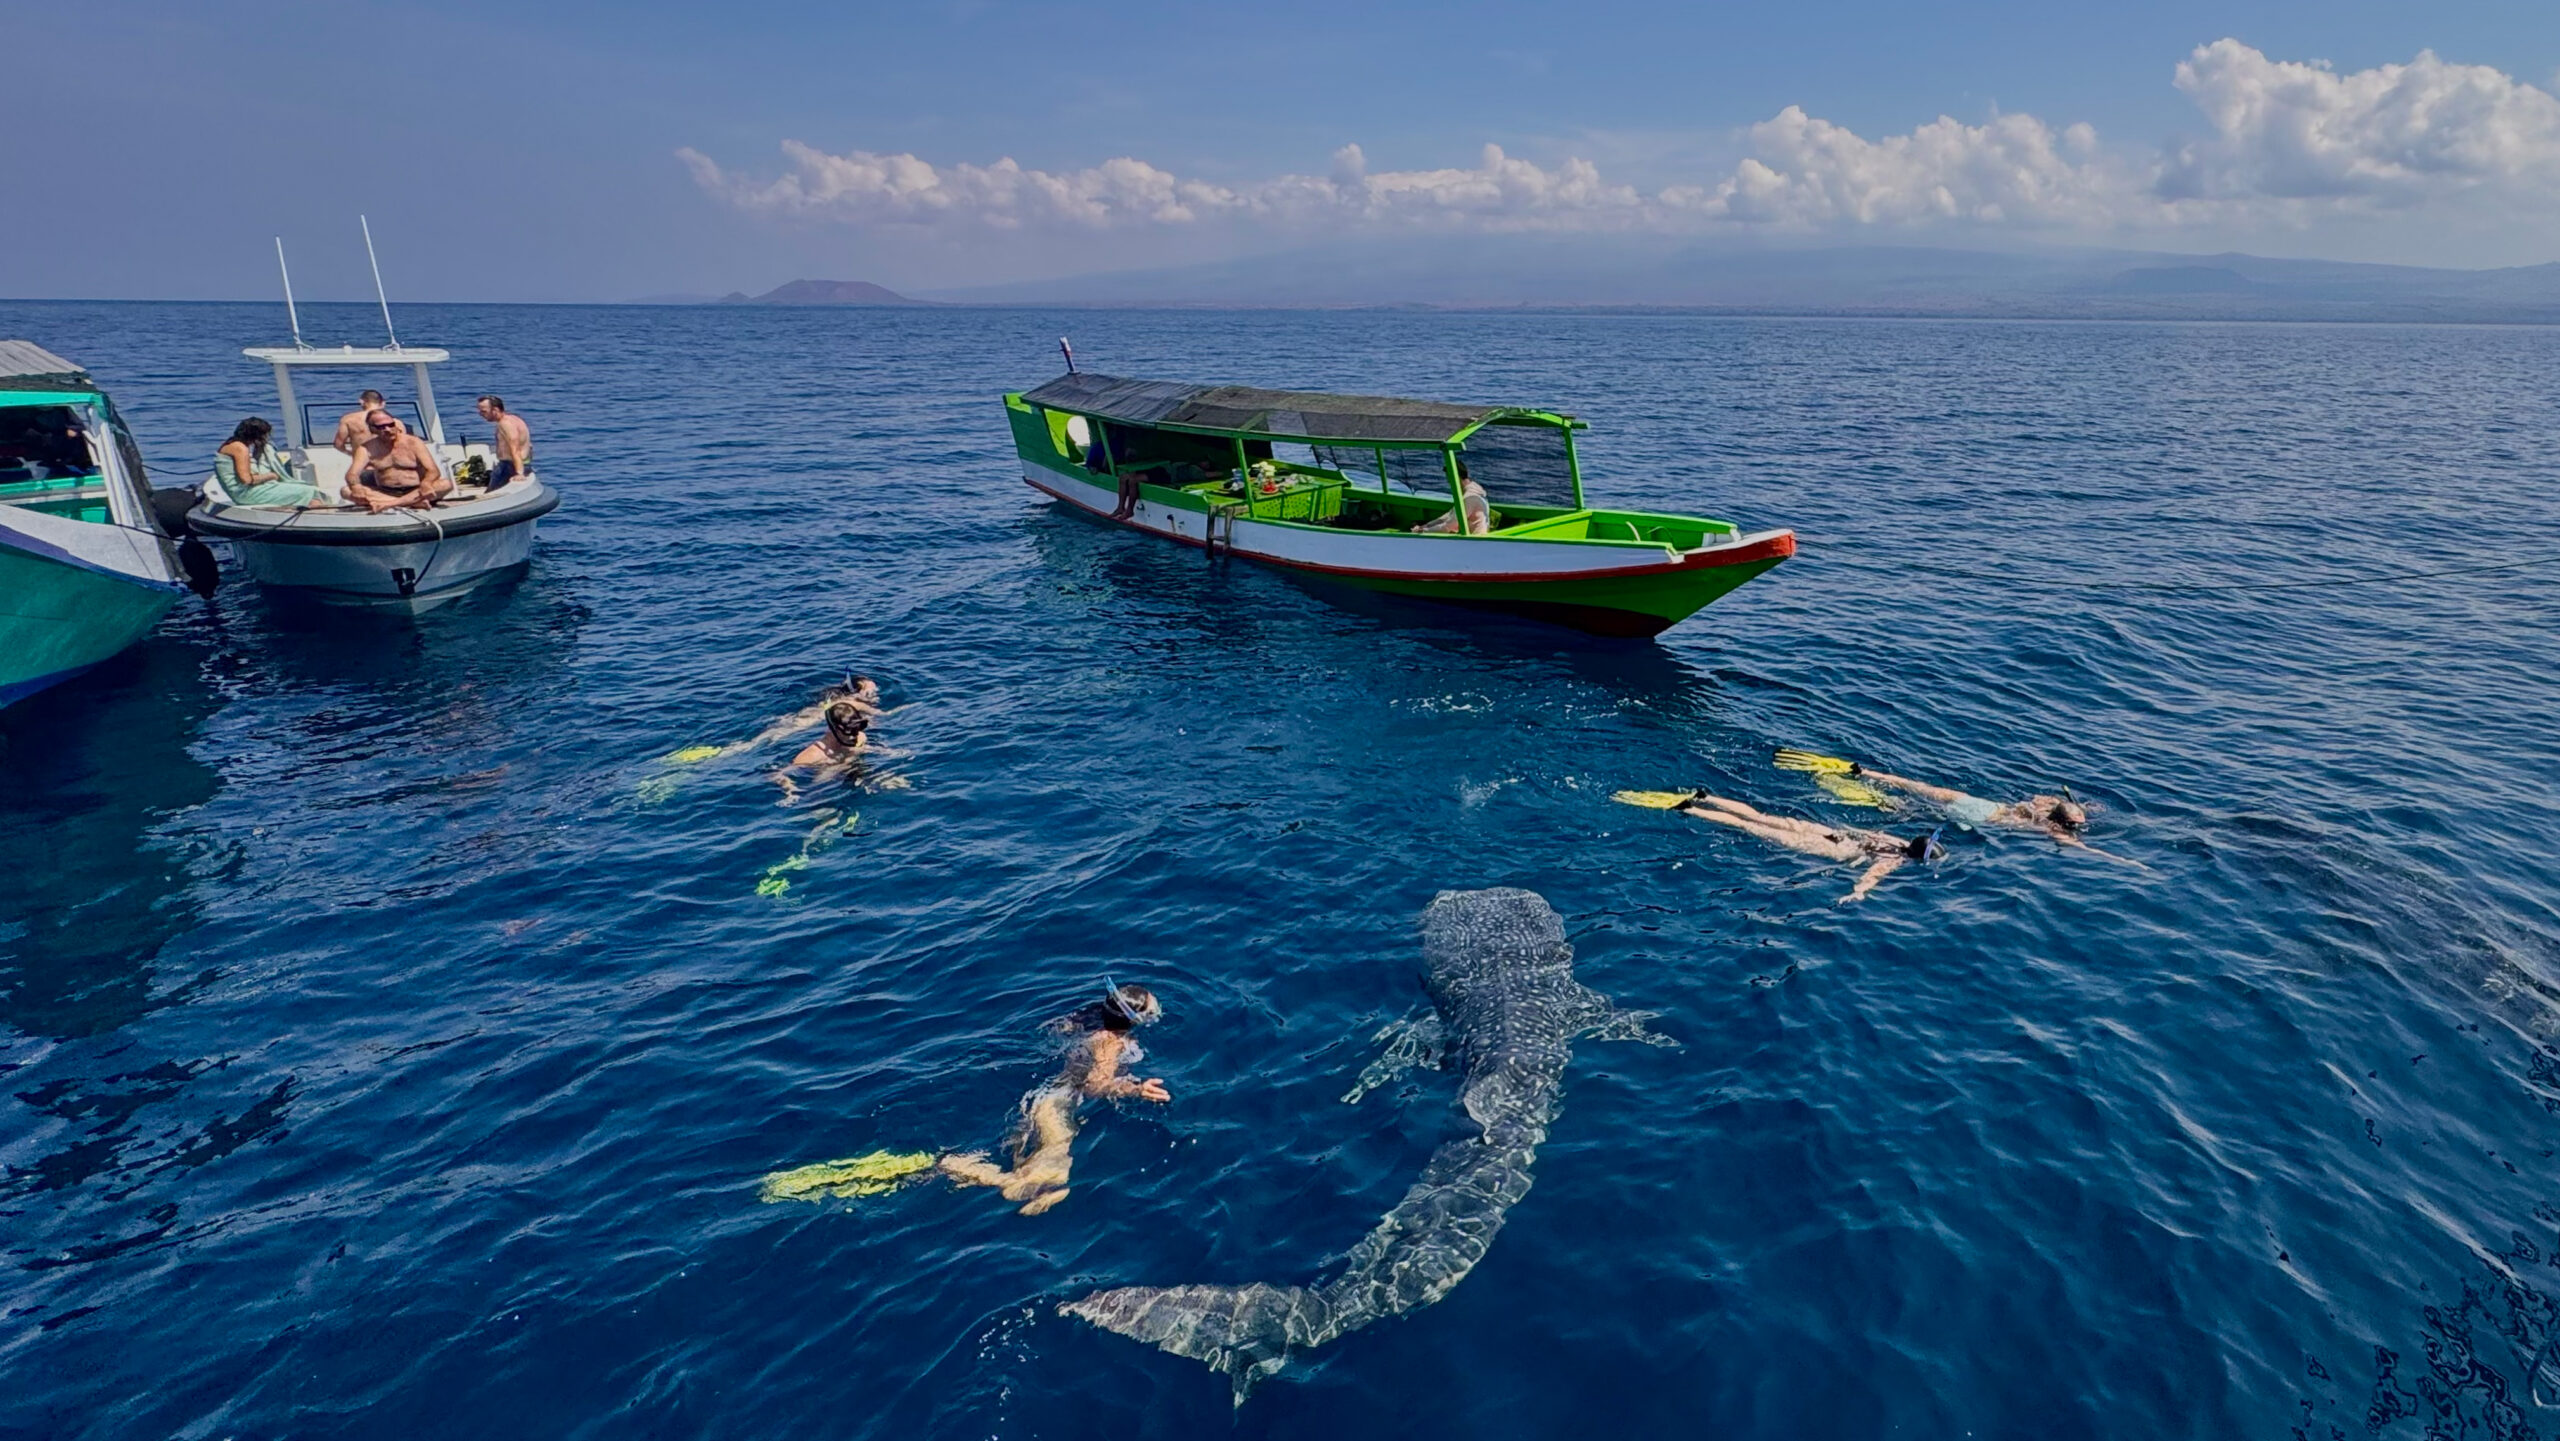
1505, 1011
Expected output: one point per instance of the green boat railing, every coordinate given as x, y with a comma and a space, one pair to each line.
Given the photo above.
1304, 498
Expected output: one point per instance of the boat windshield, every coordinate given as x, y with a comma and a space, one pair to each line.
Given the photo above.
51, 461
320, 419
46, 442
1521, 464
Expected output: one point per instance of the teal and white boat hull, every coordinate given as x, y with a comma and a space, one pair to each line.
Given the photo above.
85, 570
73, 594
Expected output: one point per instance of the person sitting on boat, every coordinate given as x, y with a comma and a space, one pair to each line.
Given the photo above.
834, 754
1883, 854
394, 469
252, 473
351, 426
514, 442
1479, 510
2061, 817
1043, 1140
45, 449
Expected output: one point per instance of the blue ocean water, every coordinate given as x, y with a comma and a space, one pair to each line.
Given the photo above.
390, 1045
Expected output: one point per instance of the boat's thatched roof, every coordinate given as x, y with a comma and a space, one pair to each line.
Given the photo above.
23, 360
1245, 410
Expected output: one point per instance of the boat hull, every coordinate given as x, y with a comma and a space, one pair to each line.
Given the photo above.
1615, 590
402, 562
412, 578
59, 617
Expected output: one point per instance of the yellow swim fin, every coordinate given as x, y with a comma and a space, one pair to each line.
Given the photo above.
1655, 800
1856, 793
1796, 760
838, 1180
691, 754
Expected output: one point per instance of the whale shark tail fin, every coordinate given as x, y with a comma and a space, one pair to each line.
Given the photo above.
1245, 1331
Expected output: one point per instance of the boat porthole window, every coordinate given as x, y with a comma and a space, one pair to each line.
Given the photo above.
1078, 433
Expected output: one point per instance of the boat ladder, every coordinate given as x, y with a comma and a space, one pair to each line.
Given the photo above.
1209, 532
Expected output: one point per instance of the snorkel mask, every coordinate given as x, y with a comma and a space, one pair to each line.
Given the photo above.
1119, 1005
849, 729
2074, 817
1928, 847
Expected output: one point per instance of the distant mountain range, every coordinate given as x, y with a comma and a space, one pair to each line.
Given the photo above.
821, 292
1535, 272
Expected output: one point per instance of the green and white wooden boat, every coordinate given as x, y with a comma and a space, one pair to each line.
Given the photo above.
1332, 486
84, 570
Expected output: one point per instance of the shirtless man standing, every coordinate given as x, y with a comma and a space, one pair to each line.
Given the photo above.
515, 442
351, 429
393, 468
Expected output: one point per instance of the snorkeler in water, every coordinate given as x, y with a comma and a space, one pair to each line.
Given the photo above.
834, 754
1042, 1140
2062, 817
860, 690
1882, 854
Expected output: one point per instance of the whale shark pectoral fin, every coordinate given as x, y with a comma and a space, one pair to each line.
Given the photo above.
1623, 1025
1245, 1331
1413, 1041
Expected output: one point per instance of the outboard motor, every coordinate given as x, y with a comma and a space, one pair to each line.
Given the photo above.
169, 507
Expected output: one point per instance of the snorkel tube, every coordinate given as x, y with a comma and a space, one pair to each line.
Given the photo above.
1115, 1003
1928, 847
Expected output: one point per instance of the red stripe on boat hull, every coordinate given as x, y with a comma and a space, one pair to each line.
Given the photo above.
1772, 548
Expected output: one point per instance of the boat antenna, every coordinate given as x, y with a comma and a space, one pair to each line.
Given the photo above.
289, 312
1069, 352
377, 282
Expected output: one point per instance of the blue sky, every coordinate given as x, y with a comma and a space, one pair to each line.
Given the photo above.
600, 152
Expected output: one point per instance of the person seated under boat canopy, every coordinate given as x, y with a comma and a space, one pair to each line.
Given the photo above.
44, 443
1478, 506
393, 469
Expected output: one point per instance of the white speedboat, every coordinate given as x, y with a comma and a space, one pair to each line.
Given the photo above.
341, 555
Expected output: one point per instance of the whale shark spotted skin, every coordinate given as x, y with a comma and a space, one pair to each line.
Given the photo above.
1505, 1012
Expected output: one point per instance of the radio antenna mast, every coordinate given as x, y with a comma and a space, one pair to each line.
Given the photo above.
377, 282
1069, 352
289, 312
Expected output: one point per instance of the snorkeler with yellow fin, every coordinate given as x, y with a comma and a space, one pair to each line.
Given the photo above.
1043, 1138
861, 691
1880, 852
2061, 817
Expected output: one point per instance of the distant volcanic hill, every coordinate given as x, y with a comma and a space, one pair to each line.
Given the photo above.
821, 292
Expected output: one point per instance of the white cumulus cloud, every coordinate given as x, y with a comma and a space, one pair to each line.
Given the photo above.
1807, 171
2391, 135
2286, 135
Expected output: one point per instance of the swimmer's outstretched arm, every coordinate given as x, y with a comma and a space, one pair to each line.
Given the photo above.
790, 725
1922, 789
1884, 866
2063, 838
1103, 1077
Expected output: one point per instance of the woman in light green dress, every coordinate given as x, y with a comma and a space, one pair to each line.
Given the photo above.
252, 473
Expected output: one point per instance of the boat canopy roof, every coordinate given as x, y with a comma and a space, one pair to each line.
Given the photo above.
25, 365
1278, 414
347, 355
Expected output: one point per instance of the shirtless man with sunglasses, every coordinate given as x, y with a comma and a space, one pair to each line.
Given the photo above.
394, 469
